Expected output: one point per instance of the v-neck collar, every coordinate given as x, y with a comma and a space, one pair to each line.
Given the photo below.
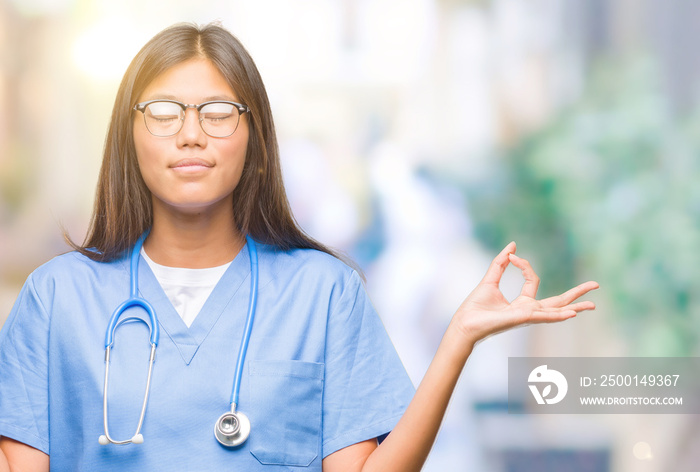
187, 340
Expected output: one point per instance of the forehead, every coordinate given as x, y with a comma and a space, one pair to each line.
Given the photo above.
192, 81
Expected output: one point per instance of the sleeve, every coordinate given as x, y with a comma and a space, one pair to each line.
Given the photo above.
24, 407
367, 388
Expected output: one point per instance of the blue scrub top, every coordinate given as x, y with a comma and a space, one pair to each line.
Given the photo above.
320, 372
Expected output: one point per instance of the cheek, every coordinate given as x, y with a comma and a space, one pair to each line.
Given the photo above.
146, 150
237, 150
140, 143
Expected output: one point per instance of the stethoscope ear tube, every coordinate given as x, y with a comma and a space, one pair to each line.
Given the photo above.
137, 438
133, 301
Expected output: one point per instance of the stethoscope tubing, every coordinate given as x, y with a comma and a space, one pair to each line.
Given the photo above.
133, 301
250, 318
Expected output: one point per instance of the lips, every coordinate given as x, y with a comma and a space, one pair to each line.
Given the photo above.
191, 162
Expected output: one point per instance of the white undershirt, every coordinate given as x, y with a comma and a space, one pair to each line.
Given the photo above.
187, 289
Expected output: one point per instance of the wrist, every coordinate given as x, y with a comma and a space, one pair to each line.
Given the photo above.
457, 342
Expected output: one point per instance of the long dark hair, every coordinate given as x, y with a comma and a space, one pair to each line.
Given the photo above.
123, 208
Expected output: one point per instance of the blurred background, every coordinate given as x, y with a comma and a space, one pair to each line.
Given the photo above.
435, 132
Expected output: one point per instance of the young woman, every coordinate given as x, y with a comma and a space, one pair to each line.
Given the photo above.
191, 171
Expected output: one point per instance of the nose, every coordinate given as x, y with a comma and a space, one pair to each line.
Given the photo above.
191, 133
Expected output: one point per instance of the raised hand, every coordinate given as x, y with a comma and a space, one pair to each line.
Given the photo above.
486, 311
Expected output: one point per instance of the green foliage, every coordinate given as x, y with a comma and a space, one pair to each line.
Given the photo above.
610, 191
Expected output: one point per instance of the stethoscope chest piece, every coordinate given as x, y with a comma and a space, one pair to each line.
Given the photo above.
232, 429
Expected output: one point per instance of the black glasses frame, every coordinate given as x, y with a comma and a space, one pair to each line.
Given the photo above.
239, 106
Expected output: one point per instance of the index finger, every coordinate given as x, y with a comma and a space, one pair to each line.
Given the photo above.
498, 265
532, 281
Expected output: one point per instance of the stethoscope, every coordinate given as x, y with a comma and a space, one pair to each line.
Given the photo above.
233, 427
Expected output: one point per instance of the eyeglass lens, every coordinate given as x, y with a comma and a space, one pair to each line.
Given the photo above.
218, 119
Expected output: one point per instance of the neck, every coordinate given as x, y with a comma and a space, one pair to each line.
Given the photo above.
193, 240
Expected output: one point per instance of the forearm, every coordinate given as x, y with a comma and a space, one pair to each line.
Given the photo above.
483, 313
408, 445
4, 466
18, 457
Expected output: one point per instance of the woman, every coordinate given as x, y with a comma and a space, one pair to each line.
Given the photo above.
191, 163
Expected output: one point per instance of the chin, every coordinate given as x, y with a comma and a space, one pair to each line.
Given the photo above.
196, 206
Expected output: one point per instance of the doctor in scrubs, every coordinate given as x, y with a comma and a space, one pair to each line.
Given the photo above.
191, 163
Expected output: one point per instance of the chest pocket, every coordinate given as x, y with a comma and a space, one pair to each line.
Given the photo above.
286, 400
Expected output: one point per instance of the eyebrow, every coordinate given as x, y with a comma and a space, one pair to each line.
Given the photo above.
165, 96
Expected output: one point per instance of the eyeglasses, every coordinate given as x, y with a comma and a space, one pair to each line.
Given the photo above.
219, 119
